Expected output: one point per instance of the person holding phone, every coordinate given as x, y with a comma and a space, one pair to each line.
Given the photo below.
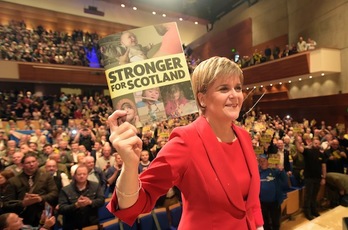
11, 221
27, 193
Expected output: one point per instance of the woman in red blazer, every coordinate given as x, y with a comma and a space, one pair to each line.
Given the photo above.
211, 160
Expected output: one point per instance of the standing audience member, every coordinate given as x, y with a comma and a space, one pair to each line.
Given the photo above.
95, 174
31, 189
80, 161
85, 137
107, 159
336, 157
80, 200
97, 150
144, 161
314, 176
301, 45
273, 184
215, 185
60, 178
311, 44
17, 166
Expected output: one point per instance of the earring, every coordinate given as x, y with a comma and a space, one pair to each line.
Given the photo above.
202, 105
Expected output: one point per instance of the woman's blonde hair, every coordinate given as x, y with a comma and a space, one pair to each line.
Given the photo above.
206, 73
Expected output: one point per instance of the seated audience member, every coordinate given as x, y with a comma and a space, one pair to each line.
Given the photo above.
337, 184
273, 184
94, 173
11, 221
80, 200
113, 172
30, 189
4, 177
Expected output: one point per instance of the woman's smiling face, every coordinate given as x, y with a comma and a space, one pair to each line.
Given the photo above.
223, 99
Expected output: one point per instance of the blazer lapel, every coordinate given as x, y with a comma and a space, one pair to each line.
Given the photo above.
213, 148
250, 158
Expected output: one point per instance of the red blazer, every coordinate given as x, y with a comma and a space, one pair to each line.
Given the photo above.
211, 197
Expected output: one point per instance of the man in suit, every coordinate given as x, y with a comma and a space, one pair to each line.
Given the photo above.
27, 193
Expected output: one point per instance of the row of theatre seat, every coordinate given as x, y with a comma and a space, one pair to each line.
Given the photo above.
159, 218
169, 218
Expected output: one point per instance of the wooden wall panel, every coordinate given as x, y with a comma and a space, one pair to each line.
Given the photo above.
52, 20
238, 37
332, 109
294, 65
280, 41
34, 72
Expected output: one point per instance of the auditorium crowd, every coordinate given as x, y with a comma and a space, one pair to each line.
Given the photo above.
40, 45
65, 159
62, 141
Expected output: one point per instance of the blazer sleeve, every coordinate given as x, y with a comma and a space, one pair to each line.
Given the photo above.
164, 172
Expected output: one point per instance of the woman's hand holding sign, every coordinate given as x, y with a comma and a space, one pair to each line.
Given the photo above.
125, 140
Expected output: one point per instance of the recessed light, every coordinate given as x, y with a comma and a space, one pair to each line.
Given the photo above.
261, 86
196, 23
153, 12
247, 88
123, 5
254, 87
164, 15
135, 8
181, 19
322, 74
300, 79
280, 83
289, 81
310, 77
271, 84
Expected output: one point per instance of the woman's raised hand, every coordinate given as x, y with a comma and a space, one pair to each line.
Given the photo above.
124, 139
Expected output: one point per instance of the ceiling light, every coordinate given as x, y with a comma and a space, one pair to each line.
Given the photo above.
247, 88
261, 86
280, 83
153, 12
300, 79
271, 84
254, 87
135, 8
196, 23
322, 74
290, 81
181, 19
164, 15
123, 5
310, 77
